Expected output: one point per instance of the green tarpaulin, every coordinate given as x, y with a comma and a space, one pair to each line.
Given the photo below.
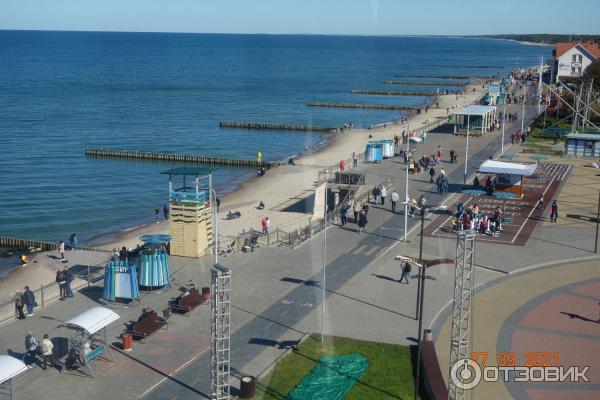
331, 378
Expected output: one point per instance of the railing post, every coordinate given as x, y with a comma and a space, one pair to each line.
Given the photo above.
88, 275
42, 295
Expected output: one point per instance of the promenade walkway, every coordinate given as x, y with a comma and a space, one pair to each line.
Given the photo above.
276, 297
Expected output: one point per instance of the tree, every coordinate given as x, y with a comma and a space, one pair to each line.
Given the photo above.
593, 72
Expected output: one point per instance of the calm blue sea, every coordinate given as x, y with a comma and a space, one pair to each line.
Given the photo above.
61, 92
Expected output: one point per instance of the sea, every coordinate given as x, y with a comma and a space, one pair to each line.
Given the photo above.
62, 92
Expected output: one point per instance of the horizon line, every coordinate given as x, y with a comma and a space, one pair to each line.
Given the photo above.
481, 35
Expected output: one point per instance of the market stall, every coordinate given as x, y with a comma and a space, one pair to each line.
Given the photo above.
120, 281
509, 176
374, 152
88, 339
10, 368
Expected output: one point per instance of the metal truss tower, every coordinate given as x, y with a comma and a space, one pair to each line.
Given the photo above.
220, 319
461, 310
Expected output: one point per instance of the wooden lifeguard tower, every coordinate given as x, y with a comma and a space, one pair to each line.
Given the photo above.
192, 230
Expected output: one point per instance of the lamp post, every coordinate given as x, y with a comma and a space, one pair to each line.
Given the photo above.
467, 145
597, 224
406, 181
421, 288
323, 287
503, 123
216, 224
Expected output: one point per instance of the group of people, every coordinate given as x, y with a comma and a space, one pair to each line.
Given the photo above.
34, 350
519, 136
22, 301
360, 212
472, 218
165, 210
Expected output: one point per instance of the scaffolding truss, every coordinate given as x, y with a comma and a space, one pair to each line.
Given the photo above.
461, 310
220, 332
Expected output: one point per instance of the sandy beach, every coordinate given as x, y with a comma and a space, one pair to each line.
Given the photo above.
278, 189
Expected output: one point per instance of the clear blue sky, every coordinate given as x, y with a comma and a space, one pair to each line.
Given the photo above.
362, 17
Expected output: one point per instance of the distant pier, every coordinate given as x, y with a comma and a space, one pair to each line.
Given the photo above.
396, 93
447, 83
188, 158
361, 105
282, 127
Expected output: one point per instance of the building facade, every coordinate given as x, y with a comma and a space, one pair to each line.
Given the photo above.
572, 58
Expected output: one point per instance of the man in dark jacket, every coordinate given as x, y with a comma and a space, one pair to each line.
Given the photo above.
61, 279
28, 299
362, 221
70, 278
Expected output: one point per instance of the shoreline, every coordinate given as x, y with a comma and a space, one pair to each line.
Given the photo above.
283, 185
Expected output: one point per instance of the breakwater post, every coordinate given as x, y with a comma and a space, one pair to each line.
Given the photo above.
361, 105
188, 158
424, 83
282, 127
396, 93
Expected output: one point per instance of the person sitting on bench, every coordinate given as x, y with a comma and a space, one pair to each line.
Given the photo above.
233, 214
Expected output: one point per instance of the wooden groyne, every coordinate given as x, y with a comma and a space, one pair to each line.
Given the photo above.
188, 158
437, 76
281, 127
396, 93
450, 83
361, 105
17, 243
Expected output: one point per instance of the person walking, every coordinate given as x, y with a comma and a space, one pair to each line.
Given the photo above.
31, 349
431, 175
395, 199
29, 301
553, 211
259, 156
362, 221
541, 202
383, 194
406, 268
61, 279
47, 352
19, 305
157, 214
412, 204
70, 277
354, 159
166, 212
355, 210
344, 214
73, 241
61, 250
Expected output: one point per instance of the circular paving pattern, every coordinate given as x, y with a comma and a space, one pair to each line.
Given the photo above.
559, 327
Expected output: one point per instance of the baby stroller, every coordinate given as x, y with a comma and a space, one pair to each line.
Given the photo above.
251, 241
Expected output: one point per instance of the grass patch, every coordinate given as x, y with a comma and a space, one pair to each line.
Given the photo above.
389, 376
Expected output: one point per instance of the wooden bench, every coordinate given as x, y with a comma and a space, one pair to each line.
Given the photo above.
147, 326
187, 302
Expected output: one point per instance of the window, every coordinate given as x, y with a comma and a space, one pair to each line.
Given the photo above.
574, 58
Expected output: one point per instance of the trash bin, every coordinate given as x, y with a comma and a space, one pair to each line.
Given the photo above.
248, 387
127, 341
427, 336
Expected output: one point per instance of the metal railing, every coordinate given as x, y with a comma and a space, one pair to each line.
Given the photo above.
50, 292
18, 243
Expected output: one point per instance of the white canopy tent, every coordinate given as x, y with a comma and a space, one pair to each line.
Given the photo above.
475, 117
10, 368
85, 326
502, 167
509, 175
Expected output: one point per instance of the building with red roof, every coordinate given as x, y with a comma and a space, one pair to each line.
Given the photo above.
572, 58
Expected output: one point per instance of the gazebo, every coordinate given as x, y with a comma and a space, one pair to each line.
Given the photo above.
475, 118
10, 368
509, 176
88, 338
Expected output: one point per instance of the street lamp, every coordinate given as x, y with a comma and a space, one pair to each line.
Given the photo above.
421, 287
503, 123
467, 145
